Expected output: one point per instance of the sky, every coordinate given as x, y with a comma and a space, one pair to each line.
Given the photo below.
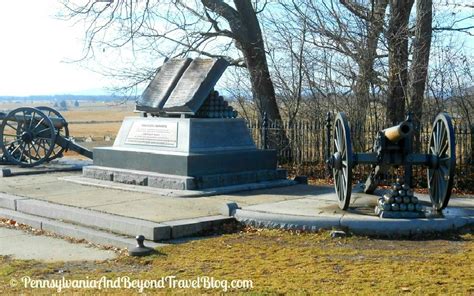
34, 48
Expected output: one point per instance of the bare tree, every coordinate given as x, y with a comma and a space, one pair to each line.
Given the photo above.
211, 28
419, 65
397, 37
373, 18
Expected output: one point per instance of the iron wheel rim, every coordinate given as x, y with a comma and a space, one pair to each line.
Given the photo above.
342, 145
442, 147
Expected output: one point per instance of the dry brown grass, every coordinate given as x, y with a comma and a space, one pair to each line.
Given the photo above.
281, 262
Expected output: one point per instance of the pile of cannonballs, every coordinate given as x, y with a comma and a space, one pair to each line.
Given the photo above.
399, 198
216, 107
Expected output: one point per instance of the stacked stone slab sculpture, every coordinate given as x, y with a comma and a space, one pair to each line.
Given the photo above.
399, 202
187, 138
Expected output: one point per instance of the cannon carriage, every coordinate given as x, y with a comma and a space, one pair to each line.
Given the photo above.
393, 147
32, 136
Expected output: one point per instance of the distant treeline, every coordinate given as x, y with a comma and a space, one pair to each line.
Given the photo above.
67, 97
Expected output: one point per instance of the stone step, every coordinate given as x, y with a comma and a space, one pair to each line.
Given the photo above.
74, 231
110, 223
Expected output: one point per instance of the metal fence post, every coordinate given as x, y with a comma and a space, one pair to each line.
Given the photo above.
328, 140
265, 131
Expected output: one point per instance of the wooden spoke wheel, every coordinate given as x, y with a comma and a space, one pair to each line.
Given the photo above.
27, 137
341, 160
442, 151
61, 131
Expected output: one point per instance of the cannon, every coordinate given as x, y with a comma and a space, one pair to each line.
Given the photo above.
31, 136
393, 147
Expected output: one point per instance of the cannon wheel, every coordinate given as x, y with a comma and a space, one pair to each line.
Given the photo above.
60, 132
27, 137
442, 148
342, 167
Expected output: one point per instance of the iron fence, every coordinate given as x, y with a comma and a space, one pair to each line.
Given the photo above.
302, 148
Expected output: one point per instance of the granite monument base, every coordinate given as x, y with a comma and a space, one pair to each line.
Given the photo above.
165, 181
184, 154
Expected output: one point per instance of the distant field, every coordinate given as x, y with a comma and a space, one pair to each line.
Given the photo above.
79, 118
89, 119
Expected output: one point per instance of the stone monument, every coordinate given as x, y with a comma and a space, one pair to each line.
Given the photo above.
187, 138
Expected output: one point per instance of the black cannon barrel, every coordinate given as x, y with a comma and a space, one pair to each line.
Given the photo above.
57, 122
398, 132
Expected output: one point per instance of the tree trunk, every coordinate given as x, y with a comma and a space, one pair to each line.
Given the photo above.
419, 66
398, 59
246, 31
366, 67
253, 50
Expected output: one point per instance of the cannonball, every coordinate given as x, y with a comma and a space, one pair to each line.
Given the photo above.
396, 186
402, 192
409, 192
418, 207
387, 207
398, 199
406, 200
395, 207
388, 199
403, 207
394, 193
410, 207
414, 199
405, 187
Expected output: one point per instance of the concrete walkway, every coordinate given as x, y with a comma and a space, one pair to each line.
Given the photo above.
147, 206
21, 245
163, 217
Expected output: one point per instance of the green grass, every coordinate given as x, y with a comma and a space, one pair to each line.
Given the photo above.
280, 262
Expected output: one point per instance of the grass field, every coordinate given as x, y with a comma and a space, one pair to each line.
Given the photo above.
89, 119
281, 262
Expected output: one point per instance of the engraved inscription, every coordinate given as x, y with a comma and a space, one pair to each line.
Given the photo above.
190, 82
195, 85
164, 134
160, 88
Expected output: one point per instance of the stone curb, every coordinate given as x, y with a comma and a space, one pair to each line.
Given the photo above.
118, 224
365, 225
283, 221
74, 231
188, 227
39, 214
9, 201
394, 227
